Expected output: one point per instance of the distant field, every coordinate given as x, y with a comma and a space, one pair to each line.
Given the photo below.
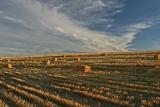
111, 80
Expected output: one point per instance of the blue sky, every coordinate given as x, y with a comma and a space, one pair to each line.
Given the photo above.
55, 26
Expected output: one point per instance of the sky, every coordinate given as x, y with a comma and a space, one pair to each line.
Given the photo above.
56, 26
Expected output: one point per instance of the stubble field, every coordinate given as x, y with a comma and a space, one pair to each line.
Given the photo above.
113, 80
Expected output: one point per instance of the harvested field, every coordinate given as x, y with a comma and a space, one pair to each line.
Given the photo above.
92, 80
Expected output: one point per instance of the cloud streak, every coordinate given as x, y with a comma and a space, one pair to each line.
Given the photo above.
53, 27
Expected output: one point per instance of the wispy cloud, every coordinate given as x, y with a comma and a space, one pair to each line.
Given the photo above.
60, 29
132, 30
15, 20
57, 27
12, 19
139, 26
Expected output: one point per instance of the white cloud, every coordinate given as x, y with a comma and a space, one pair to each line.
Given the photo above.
97, 3
53, 30
140, 26
109, 25
15, 20
12, 19
60, 29
132, 30
100, 2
